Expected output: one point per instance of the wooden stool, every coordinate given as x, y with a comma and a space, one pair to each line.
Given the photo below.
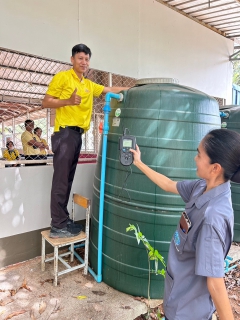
62, 242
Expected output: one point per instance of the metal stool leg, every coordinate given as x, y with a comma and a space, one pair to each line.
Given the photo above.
72, 252
43, 254
55, 265
85, 270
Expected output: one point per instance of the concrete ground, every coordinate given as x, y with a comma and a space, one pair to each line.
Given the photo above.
28, 293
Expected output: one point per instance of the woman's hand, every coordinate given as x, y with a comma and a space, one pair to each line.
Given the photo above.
136, 155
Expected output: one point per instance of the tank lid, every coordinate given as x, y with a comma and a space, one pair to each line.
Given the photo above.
156, 80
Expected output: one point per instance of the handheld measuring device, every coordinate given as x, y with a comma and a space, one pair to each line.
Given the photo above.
126, 142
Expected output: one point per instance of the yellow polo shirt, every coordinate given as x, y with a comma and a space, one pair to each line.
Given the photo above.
27, 149
62, 86
43, 151
10, 155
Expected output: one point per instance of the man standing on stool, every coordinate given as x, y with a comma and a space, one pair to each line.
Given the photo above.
72, 97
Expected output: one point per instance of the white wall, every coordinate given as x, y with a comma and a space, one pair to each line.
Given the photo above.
25, 197
137, 38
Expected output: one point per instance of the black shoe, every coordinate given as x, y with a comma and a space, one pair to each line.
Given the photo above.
72, 223
66, 232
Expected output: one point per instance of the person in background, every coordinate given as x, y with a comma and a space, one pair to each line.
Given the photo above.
194, 283
71, 95
11, 154
38, 132
31, 143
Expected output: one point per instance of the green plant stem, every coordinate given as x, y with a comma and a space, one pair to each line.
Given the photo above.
149, 279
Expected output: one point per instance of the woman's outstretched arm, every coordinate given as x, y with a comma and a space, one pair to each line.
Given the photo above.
159, 179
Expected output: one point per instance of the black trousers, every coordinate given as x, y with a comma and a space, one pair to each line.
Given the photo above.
66, 146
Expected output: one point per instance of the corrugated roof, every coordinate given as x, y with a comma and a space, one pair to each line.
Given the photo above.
23, 82
222, 16
24, 77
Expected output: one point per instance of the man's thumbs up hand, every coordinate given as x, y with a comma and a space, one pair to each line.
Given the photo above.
74, 100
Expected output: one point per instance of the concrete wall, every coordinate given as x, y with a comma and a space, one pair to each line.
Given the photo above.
25, 197
136, 38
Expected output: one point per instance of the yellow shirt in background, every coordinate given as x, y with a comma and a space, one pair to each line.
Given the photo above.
27, 149
62, 86
43, 151
11, 155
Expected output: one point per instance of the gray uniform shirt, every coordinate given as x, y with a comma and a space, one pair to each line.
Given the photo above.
200, 253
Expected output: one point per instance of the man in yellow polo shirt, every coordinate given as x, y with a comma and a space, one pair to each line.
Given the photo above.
31, 143
72, 97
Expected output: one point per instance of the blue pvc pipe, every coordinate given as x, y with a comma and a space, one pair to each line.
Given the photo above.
82, 261
223, 114
106, 110
227, 261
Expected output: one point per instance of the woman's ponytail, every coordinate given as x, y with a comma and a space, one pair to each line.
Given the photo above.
223, 146
236, 176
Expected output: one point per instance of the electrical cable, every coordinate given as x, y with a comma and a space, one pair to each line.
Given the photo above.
125, 131
125, 184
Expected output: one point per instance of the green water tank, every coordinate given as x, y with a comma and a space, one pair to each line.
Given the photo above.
232, 122
168, 121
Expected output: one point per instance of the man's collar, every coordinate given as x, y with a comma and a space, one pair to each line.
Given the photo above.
75, 76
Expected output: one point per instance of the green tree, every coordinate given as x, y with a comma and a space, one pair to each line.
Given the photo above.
236, 72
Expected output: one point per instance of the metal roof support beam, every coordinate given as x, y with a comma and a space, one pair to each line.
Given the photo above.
231, 58
196, 5
26, 70
222, 15
228, 24
19, 81
205, 14
233, 36
210, 8
20, 100
33, 56
22, 91
231, 30
27, 113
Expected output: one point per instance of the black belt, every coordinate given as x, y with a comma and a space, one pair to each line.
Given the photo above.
75, 128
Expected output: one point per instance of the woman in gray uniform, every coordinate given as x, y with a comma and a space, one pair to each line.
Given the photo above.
194, 283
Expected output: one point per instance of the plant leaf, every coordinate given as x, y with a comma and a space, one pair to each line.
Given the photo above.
6, 301
152, 253
16, 313
42, 307
32, 315
80, 297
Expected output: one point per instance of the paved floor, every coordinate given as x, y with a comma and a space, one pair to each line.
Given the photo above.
77, 297
27, 293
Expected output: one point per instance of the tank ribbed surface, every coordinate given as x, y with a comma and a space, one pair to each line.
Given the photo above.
232, 122
168, 121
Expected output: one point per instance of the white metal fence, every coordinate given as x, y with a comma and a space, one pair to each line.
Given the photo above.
23, 82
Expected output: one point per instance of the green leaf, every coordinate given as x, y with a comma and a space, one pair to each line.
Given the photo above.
152, 253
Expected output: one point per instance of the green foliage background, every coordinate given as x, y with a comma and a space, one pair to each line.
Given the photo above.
236, 72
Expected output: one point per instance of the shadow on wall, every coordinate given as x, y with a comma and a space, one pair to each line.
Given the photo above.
24, 199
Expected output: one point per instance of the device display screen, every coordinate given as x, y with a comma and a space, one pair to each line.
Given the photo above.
127, 143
